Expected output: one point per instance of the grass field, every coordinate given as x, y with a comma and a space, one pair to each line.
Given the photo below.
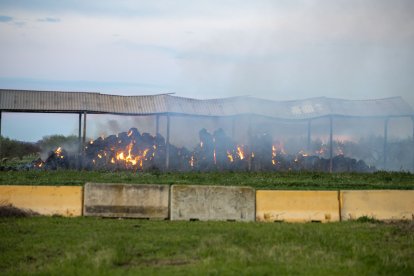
259, 180
84, 246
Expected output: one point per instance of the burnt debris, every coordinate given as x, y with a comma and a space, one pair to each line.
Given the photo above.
216, 151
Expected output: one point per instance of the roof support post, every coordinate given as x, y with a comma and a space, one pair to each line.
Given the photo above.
84, 139
330, 144
167, 145
309, 135
412, 119
1, 137
385, 150
79, 164
157, 124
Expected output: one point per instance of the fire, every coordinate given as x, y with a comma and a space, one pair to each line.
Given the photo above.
240, 152
132, 150
129, 158
58, 153
320, 151
339, 151
274, 153
214, 156
192, 161
230, 156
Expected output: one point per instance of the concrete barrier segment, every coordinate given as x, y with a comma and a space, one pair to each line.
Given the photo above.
297, 206
126, 200
45, 200
201, 202
378, 204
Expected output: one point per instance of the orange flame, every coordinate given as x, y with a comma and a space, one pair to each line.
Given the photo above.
58, 153
240, 152
230, 156
214, 157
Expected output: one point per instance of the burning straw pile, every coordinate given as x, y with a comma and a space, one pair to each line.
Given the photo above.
215, 152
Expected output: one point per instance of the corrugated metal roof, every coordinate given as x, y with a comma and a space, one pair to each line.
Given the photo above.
54, 101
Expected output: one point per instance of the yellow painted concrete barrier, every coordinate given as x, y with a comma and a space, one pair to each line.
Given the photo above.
377, 204
45, 200
297, 206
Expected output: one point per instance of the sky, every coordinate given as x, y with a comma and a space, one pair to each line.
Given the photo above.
277, 49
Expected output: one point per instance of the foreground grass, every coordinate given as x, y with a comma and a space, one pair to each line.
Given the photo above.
84, 246
260, 180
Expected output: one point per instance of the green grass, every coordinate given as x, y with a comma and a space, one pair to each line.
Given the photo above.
259, 180
85, 246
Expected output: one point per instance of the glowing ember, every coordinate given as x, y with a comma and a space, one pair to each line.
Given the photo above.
214, 157
58, 151
230, 156
240, 152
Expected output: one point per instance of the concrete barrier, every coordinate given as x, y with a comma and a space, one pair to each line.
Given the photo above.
122, 200
45, 200
297, 206
192, 202
377, 204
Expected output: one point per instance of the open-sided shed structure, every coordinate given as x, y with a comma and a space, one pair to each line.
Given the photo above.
166, 105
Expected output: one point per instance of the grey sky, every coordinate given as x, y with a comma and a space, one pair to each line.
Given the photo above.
206, 49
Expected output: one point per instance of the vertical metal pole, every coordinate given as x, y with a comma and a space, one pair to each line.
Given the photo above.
80, 142
330, 144
84, 129
167, 144
309, 135
412, 119
84, 139
157, 124
1, 137
385, 150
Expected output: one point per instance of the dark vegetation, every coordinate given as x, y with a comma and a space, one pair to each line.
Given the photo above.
12, 211
16, 149
15, 154
94, 246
